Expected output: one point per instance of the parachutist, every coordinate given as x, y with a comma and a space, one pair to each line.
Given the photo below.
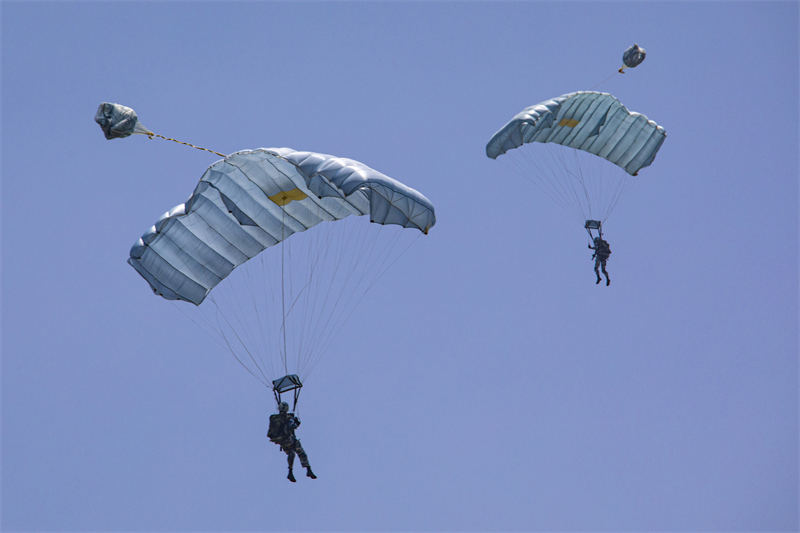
601, 252
281, 432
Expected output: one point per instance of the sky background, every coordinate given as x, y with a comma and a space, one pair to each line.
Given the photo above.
486, 382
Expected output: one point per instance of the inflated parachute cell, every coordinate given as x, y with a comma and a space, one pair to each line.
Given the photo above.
633, 56
590, 121
254, 199
118, 121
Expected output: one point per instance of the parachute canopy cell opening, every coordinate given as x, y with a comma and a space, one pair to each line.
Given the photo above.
560, 144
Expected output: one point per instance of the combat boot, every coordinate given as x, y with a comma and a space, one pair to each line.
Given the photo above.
309, 473
290, 477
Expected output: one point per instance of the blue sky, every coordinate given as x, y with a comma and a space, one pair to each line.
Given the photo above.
486, 382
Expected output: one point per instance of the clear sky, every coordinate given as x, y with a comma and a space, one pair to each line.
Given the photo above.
486, 382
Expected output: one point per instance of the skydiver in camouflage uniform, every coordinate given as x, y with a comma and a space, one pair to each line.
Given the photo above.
601, 252
281, 432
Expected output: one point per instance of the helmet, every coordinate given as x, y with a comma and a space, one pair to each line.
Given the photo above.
597, 239
283, 407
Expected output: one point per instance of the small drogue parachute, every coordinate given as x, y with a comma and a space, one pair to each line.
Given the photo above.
118, 121
557, 144
632, 57
281, 312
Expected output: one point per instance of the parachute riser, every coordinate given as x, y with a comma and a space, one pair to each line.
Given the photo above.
591, 236
278, 398
288, 383
594, 224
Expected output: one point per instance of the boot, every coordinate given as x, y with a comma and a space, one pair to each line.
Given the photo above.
309, 473
290, 477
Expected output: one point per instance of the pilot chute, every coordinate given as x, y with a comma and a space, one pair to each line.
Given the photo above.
118, 121
632, 57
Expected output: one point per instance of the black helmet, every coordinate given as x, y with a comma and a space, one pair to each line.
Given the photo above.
283, 407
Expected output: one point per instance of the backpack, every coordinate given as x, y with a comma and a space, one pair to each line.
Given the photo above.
277, 428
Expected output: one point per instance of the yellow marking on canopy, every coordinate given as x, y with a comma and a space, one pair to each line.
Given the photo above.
284, 197
569, 122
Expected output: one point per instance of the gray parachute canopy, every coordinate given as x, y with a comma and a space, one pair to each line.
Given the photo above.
254, 199
633, 56
594, 122
118, 121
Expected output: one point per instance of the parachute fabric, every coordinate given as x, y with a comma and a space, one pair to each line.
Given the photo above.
280, 312
632, 57
590, 121
587, 125
255, 199
283, 308
118, 121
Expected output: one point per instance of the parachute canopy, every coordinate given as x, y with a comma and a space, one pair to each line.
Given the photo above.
118, 121
633, 56
593, 122
254, 199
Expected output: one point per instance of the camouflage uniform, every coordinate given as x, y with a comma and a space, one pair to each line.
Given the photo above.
289, 442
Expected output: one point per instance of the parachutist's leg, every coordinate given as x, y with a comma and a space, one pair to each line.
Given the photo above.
597, 269
289, 456
608, 280
290, 459
301, 453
